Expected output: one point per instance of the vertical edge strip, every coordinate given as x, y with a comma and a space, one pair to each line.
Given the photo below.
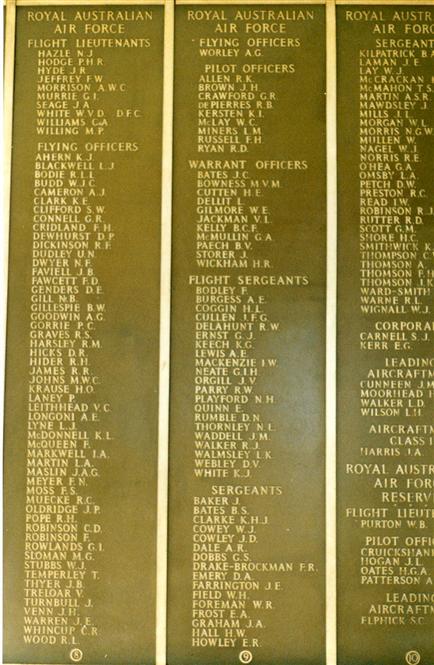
331, 617
165, 287
8, 98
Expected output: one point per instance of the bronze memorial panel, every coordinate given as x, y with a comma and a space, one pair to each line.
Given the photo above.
83, 321
219, 388
385, 335
246, 457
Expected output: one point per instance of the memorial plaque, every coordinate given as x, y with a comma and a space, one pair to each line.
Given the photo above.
83, 320
385, 335
246, 456
174, 492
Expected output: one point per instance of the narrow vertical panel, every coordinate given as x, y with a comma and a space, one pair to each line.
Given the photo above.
246, 466
330, 497
165, 303
385, 335
82, 336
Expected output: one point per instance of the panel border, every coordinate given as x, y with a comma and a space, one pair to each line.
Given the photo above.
165, 329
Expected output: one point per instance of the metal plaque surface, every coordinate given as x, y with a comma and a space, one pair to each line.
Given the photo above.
385, 335
83, 319
246, 455
218, 441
